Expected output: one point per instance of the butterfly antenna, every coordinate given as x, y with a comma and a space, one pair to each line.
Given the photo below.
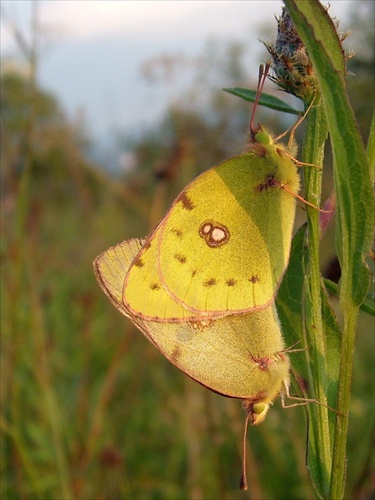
263, 73
291, 348
243, 481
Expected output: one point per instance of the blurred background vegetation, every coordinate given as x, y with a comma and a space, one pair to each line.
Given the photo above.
90, 409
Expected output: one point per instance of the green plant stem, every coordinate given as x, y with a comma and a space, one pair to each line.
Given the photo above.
342, 421
313, 152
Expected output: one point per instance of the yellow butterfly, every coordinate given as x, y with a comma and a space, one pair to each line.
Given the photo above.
202, 286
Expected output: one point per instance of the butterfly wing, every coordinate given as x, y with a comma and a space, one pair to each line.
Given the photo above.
223, 246
211, 242
225, 243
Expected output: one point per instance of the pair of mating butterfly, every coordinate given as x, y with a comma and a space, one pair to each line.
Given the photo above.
202, 286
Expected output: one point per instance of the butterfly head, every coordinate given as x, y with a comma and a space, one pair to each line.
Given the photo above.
256, 412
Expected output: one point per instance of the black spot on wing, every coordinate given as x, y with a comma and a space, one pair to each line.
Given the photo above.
185, 201
254, 279
269, 182
214, 233
177, 232
180, 258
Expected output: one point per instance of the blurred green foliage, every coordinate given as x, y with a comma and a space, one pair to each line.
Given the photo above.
89, 408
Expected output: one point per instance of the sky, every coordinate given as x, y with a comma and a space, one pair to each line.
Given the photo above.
92, 51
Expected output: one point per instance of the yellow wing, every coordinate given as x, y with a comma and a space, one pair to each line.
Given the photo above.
223, 246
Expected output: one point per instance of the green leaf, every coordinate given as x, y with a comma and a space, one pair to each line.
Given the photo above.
267, 100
